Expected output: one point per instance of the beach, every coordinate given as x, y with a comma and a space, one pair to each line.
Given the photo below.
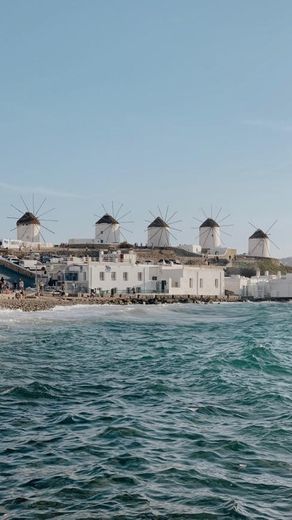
30, 303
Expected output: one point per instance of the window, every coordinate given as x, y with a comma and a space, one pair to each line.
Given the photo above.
101, 276
125, 277
71, 276
154, 277
201, 283
113, 276
190, 283
140, 277
216, 283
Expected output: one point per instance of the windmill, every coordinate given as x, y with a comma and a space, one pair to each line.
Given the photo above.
210, 230
29, 222
110, 226
161, 229
259, 242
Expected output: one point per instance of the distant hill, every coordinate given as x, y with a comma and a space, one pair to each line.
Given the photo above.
287, 261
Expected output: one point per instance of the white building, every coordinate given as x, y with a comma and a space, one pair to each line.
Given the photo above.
158, 233
107, 230
120, 273
28, 228
191, 248
259, 244
261, 287
209, 235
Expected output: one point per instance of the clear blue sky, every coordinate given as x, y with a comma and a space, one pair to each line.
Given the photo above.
186, 103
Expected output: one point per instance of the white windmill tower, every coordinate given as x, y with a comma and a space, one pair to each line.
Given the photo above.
260, 241
108, 228
30, 225
161, 229
210, 231
28, 228
158, 233
259, 244
209, 234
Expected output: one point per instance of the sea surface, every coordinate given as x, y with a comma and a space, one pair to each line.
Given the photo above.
147, 412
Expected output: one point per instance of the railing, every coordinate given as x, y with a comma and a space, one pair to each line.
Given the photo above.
16, 268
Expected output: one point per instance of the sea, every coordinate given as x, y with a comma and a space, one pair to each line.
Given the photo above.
179, 411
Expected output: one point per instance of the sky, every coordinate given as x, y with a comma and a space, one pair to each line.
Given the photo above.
183, 104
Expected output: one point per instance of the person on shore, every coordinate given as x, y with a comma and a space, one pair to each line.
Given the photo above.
21, 287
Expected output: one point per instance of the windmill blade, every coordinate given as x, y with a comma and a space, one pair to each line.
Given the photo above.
46, 212
25, 205
226, 225
176, 229
275, 245
113, 209
12, 218
271, 227
45, 199
33, 203
125, 215
14, 207
47, 229
13, 229
251, 224
173, 236
125, 229
226, 216
43, 238
173, 215
152, 214
123, 236
49, 220
211, 210
159, 211
198, 220
104, 208
225, 233
218, 213
204, 212
118, 212
127, 222
174, 222
166, 214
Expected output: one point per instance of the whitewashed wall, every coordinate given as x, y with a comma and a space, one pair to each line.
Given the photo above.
28, 232
259, 247
158, 237
209, 237
107, 233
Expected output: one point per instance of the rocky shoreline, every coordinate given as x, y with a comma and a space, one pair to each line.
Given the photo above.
43, 303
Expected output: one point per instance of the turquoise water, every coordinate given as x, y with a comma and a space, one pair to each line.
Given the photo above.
167, 412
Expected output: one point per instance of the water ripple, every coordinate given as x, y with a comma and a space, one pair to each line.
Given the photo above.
172, 412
